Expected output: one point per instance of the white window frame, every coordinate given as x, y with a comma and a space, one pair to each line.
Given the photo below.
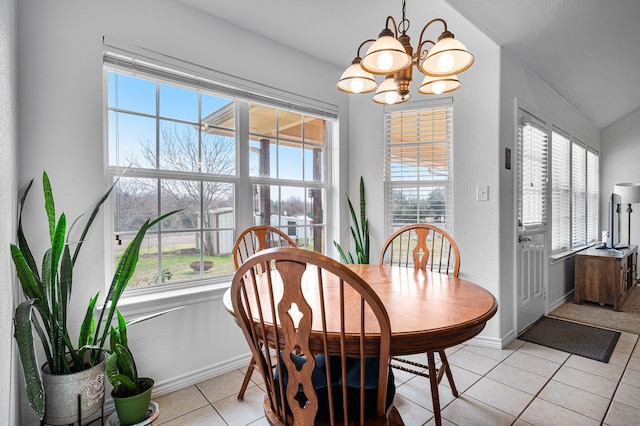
593, 195
417, 181
560, 191
579, 200
242, 92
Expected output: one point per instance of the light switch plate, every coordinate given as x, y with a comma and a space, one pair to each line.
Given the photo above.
482, 193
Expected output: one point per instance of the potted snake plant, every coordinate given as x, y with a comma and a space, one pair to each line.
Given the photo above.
360, 233
71, 369
131, 393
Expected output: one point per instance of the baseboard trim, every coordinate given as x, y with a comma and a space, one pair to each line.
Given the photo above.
197, 376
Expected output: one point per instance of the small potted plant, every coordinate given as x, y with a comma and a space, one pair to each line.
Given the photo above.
131, 393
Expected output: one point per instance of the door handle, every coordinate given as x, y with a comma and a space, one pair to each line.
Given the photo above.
522, 239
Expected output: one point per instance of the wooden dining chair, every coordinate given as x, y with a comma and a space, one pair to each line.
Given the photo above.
326, 359
249, 242
258, 238
428, 247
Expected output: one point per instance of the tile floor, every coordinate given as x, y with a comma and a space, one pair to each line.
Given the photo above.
523, 384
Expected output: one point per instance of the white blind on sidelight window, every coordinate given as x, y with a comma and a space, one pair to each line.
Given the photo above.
579, 194
560, 192
417, 164
593, 176
533, 141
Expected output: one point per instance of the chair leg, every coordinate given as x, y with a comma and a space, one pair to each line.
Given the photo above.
247, 378
433, 379
447, 370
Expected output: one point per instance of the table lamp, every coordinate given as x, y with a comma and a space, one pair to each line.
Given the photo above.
629, 194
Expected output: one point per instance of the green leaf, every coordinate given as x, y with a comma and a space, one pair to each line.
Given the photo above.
343, 258
22, 241
92, 217
30, 368
88, 324
122, 328
49, 205
111, 368
114, 337
30, 286
126, 364
363, 216
66, 278
57, 247
153, 315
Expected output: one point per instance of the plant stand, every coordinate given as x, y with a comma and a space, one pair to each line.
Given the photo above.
42, 423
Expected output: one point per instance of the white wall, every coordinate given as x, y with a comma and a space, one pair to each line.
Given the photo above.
9, 382
61, 130
475, 159
9, 385
518, 82
619, 162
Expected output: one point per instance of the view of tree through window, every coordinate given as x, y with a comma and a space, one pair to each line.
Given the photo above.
418, 166
179, 148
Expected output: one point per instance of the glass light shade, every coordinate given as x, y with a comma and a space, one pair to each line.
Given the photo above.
388, 94
386, 55
437, 85
447, 57
356, 80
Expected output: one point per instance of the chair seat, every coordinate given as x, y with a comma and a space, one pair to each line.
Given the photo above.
319, 378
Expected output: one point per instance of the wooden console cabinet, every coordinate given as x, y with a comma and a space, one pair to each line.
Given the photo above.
605, 276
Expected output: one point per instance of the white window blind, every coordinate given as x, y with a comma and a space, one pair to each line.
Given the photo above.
560, 192
593, 179
578, 194
417, 165
533, 141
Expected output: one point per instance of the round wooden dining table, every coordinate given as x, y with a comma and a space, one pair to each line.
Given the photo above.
427, 310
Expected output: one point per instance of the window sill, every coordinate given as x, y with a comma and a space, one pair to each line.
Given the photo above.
149, 303
563, 255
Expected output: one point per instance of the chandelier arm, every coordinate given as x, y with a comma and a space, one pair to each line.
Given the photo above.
420, 54
395, 26
427, 26
362, 44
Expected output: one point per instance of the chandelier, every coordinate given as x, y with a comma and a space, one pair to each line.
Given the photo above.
392, 55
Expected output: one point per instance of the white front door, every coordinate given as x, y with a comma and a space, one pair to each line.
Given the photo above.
532, 206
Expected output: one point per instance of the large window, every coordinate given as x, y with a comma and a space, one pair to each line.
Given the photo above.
575, 193
225, 158
417, 168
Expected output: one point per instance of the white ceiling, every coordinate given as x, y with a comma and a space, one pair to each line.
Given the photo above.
588, 51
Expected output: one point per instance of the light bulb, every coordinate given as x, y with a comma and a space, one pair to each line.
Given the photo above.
446, 62
438, 87
391, 98
385, 61
357, 85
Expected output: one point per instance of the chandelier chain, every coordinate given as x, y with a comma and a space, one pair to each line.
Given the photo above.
405, 23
